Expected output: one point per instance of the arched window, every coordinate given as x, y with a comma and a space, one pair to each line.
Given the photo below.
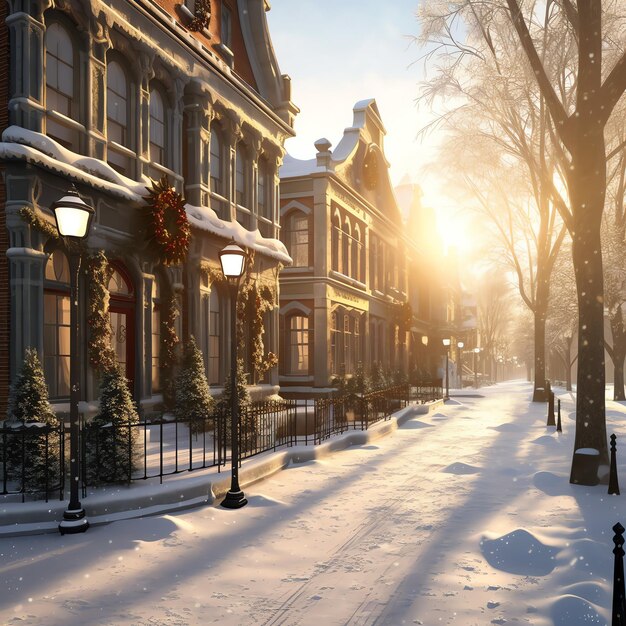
264, 199
216, 167
297, 238
298, 345
118, 117
122, 316
335, 243
346, 244
117, 104
157, 127
62, 101
334, 344
56, 325
356, 254
242, 185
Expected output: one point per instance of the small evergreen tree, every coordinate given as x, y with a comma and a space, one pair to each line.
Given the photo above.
379, 380
36, 440
193, 400
361, 381
246, 420
111, 439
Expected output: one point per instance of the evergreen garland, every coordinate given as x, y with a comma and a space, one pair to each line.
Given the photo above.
194, 402
30, 409
30, 216
101, 354
168, 230
110, 438
168, 355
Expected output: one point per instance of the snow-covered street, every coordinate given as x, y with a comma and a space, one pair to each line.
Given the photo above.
463, 516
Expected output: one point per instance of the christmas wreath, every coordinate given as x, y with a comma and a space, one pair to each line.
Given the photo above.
168, 229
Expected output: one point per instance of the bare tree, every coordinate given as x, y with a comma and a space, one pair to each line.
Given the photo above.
576, 131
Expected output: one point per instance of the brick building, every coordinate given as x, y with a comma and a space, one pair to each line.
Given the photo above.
106, 95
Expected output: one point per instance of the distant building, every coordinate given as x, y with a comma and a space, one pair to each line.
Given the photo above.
357, 268
105, 95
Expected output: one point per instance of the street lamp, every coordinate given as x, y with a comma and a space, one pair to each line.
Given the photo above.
233, 262
460, 345
446, 343
476, 351
73, 218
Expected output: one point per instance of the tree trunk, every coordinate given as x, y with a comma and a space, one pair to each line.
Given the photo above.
568, 366
618, 354
588, 198
541, 306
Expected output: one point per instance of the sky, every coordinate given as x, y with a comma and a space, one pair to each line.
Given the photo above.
338, 53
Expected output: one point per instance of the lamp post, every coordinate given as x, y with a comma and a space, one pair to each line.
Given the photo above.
476, 351
446, 343
460, 345
233, 262
73, 219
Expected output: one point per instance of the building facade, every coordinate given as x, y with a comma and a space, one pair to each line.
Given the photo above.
109, 95
352, 295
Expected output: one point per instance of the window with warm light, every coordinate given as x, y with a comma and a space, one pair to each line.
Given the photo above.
298, 342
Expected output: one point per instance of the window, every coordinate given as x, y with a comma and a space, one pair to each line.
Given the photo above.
335, 243
59, 71
213, 360
157, 127
117, 104
122, 318
348, 345
156, 335
345, 248
60, 92
334, 345
216, 169
242, 178
298, 239
298, 342
264, 205
374, 263
358, 358
56, 326
356, 255
227, 26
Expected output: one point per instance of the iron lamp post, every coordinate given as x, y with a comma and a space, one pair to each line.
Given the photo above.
476, 351
460, 345
233, 262
73, 218
446, 343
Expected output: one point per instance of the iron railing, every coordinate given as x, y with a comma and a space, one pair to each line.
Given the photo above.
155, 448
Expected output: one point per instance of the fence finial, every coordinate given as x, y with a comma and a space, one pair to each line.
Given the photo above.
619, 597
613, 482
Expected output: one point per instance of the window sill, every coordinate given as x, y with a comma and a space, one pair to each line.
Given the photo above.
348, 280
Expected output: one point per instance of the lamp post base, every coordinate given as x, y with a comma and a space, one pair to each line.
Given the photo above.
234, 500
73, 522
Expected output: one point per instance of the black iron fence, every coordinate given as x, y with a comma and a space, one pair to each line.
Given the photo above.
158, 447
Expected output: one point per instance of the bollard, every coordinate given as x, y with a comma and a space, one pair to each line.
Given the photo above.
559, 429
550, 421
613, 482
619, 601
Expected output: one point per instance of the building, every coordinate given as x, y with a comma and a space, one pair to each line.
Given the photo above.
359, 290
107, 95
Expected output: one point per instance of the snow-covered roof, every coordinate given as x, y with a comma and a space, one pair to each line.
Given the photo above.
207, 220
34, 147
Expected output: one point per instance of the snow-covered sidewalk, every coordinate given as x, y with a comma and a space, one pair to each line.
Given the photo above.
463, 516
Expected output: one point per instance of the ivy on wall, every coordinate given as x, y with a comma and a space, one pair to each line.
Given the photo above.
168, 355
202, 15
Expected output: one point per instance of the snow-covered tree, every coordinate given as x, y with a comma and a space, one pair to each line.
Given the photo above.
111, 437
36, 440
193, 400
379, 380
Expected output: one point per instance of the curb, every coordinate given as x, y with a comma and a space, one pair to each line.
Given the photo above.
182, 491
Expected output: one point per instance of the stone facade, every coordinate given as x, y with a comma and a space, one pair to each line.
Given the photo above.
356, 263
107, 95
